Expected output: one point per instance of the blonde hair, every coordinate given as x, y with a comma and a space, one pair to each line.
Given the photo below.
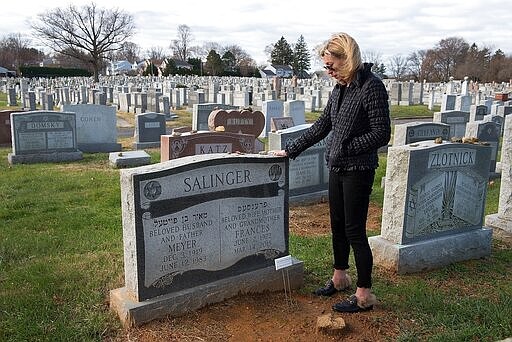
343, 46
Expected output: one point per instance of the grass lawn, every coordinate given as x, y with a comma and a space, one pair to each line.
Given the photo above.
61, 252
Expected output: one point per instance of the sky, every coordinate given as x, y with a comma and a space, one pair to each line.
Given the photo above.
385, 28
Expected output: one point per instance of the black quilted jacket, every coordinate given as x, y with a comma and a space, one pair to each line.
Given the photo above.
358, 128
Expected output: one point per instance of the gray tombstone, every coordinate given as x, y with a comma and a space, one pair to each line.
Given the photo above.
433, 208
43, 136
407, 91
503, 110
271, 109
11, 98
448, 102
200, 113
395, 94
29, 101
96, 127
148, 129
489, 133
477, 112
297, 110
503, 218
498, 120
456, 119
309, 176
201, 229
412, 132
463, 103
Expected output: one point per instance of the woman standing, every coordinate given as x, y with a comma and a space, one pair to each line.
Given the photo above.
356, 118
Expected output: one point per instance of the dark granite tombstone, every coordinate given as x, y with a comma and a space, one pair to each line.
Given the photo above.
5, 126
148, 129
200, 229
278, 124
477, 112
309, 176
43, 136
201, 112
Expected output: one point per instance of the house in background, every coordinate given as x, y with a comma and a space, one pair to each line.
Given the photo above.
121, 68
270, 71
177, 62
49, 62
7, 73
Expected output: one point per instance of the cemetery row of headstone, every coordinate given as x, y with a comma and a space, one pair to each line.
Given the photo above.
201, 228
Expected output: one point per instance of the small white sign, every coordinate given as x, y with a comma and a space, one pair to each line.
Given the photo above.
283, 262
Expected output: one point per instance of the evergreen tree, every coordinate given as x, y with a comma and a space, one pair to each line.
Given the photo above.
213, 65
229, 62
379, 70
150, 70
282, 54
170, 68
197, 67
301, 59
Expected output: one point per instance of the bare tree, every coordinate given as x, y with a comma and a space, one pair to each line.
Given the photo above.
440, 62
129, 51
371, 56
398, 66
181, 45
155, 53
241, 56
15, 51
88, 32
415, 64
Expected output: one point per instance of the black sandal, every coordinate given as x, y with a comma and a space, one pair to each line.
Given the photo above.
328, 290
350, 305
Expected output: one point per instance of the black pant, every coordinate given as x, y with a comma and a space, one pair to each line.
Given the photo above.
349, 197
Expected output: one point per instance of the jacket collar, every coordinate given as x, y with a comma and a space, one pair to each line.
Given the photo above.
362, 74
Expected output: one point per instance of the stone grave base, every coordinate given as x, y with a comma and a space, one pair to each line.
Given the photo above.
100, 147
143, 145
495, 221
44, 157
432, 253
312, 197
129, 158
133, 313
